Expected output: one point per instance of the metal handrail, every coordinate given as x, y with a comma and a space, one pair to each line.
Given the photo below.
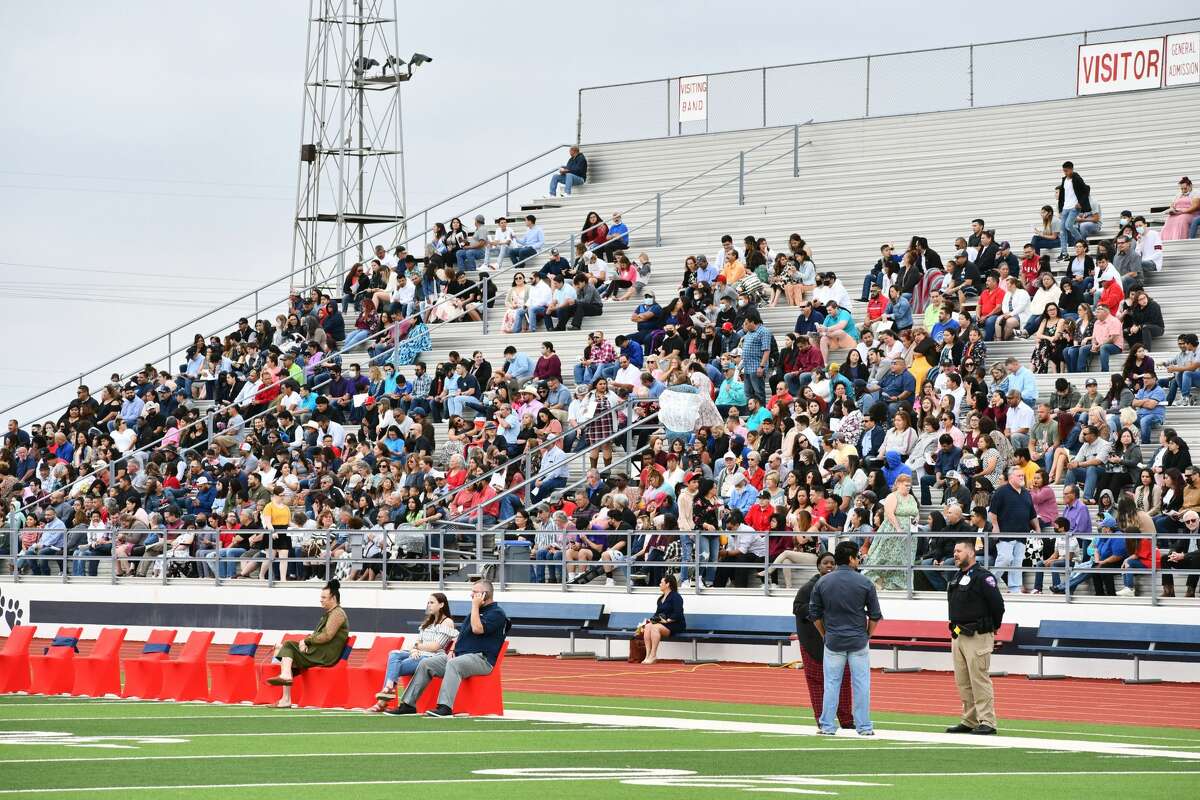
1073, 567
253, 293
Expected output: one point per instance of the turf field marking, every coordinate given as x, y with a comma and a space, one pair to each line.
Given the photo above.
955, 775
713, 713
541, 751
921, 737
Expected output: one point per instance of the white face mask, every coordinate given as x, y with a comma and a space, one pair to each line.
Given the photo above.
1141, 229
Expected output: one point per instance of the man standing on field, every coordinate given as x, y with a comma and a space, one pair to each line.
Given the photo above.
976, 611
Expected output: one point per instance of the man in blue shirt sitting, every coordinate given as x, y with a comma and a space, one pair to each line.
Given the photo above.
529, 243
1151, 405
49, 544
476, 650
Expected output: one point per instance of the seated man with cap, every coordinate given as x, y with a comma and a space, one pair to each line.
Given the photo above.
647, 316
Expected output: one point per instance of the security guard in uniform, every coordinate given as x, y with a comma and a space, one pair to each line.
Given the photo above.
976, 611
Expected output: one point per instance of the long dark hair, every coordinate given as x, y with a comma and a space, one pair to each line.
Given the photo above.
442, 613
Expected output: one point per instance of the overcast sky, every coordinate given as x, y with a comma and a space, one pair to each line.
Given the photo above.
148, 149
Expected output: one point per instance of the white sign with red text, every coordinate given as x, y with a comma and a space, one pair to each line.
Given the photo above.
1183, 59
693, 99
1120, 66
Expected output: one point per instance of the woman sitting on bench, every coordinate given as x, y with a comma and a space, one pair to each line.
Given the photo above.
321, 648
668, 619
436, 634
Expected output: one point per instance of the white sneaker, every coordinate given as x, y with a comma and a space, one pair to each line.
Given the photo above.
609, 582
685, 585
1126, 591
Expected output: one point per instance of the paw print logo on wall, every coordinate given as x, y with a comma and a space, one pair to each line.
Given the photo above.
11, 613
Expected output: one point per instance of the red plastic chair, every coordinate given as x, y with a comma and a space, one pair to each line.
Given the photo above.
478, 696
366, 679
99, 672
325, 687
54, 670
186, 678
266, 694
233, 678
154, 651
14, 660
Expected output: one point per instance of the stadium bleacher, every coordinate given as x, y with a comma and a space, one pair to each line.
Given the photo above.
860, 183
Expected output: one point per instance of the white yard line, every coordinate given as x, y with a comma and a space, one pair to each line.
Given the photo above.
556, 778
800, 714
540, 751
917, 737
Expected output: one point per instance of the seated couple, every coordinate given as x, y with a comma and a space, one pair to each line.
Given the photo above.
476, 646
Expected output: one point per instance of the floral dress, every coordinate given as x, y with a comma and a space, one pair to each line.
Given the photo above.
892, 550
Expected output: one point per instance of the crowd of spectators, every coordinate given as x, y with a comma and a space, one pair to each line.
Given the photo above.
840, 429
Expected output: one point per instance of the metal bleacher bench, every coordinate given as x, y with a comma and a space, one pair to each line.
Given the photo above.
533, 619
709, 628
1135, 639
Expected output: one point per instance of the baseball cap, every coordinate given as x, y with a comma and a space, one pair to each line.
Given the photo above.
961, 254
727, 327
1005, 246
1090, 382
553, 251
955, 475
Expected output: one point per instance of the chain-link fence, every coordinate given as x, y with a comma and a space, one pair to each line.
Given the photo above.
942, 79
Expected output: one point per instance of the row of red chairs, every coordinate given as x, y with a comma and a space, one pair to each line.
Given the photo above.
238, 678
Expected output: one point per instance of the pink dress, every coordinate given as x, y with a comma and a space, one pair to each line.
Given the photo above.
1176, 226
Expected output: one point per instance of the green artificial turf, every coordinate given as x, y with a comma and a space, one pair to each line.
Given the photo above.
249, 752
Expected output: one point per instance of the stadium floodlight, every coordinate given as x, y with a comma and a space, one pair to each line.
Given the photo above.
394, 63
364, 63
418, 59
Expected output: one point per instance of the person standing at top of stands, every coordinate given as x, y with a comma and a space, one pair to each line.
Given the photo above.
844, 607
571, 174
976, 611
476, 649
321, 648
1074, 196
814, 648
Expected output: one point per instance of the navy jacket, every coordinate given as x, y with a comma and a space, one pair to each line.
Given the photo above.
495, 631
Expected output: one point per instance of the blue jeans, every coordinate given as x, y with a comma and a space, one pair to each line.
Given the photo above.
532, 315
989, 327
1087, 229
1043, 242
1069, 232
1194, 229
860, 681
1090, 476
568, 180
796, 381
468, 259
710, 548
871, 278
1184, 382
1032, 324
755, 384
1129, 578
399, 663
518, 254
936, 579
1071, 357
1083, 355
1010, 554
357, 335
229, 556
547, 560
1146, 423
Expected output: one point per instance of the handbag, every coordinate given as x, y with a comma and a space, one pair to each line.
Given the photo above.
637, 649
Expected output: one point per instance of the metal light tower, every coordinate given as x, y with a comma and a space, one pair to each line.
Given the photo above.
350, 180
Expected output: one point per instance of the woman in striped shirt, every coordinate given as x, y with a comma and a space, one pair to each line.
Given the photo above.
435, 635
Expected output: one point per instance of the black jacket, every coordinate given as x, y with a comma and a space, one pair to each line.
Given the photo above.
577, 164
1083, 192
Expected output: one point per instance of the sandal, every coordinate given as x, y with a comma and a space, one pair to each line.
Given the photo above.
378, 708
385, 697
279, 681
